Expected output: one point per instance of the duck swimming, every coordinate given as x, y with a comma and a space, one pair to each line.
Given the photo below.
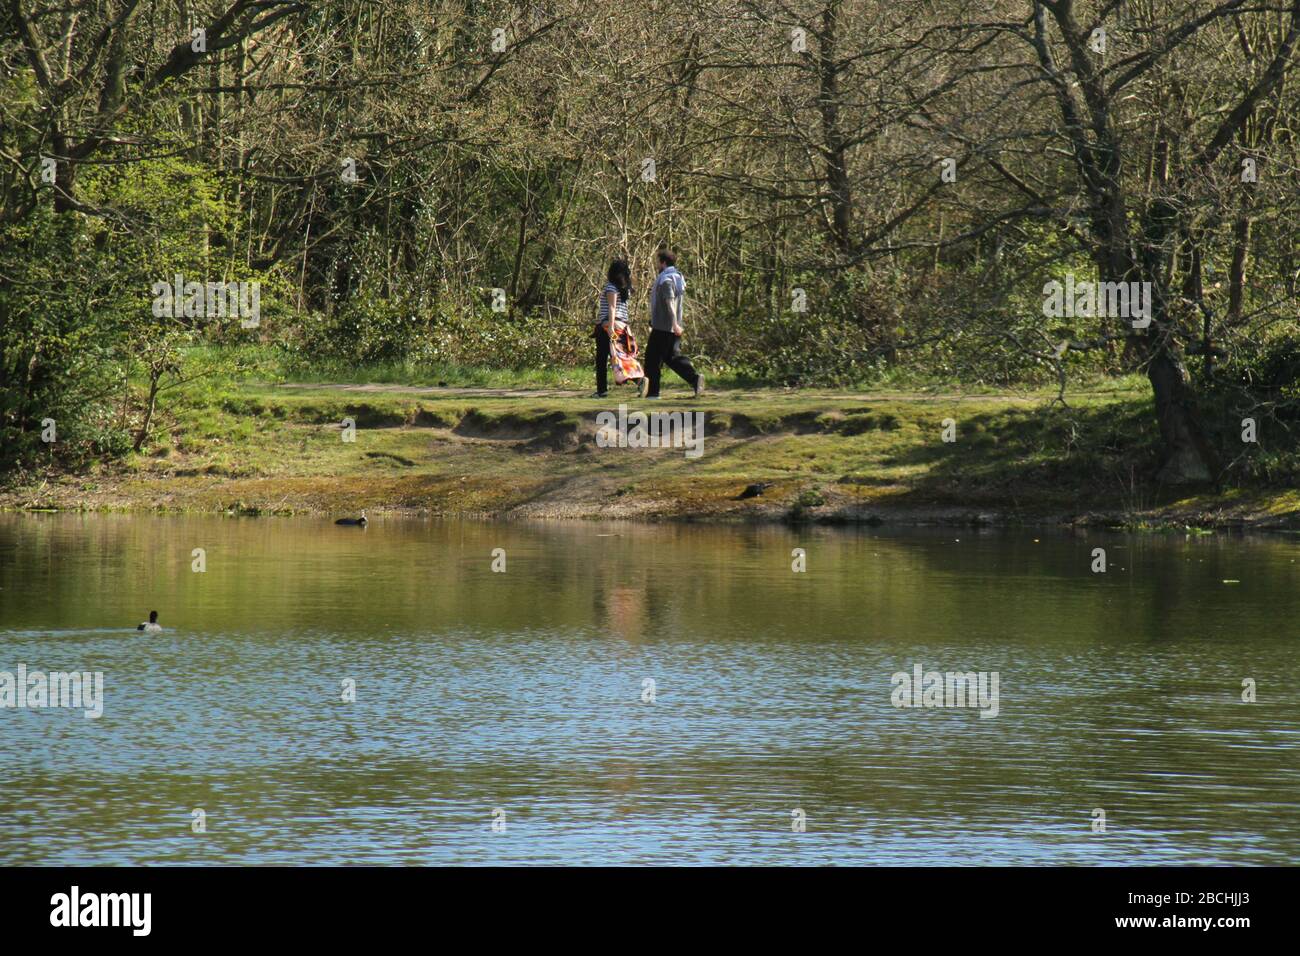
152, 624
356, 521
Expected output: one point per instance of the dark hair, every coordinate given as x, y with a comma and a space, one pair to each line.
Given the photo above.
667, 256
620, 277
153, 616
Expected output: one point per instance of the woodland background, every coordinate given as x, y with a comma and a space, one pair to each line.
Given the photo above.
798, 152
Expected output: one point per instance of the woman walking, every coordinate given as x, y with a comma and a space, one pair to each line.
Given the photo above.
615, 342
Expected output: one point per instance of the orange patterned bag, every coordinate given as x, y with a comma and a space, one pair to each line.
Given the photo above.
622, 355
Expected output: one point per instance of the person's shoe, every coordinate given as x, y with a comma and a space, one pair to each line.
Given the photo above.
652, 398
600, 394
699, 385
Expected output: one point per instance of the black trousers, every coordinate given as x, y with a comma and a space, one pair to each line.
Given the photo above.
663, 349
602, 359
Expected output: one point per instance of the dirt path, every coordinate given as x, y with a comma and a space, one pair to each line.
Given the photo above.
812, 395
449, 391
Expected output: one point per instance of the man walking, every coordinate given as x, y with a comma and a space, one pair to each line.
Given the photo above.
665, 346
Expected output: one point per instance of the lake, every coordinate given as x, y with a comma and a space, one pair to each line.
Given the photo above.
622, 694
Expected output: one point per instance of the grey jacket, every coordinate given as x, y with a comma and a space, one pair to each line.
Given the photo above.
667, 297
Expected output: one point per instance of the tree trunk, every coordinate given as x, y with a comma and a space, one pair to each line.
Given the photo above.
143, 435
1237, 271
838, 190
1187, 457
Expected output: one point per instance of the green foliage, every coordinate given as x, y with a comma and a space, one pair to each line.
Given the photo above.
60, 309
523, 172
77, 322
1260, 381
369, 329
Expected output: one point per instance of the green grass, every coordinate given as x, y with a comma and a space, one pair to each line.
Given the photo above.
243, 439
267, 364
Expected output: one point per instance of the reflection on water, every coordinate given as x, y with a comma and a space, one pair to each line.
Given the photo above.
523, 691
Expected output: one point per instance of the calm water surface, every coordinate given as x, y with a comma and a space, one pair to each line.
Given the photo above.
522, 691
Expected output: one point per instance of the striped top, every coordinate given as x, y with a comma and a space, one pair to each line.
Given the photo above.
620, 312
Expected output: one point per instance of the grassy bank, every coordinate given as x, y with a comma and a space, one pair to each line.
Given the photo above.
528, 449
